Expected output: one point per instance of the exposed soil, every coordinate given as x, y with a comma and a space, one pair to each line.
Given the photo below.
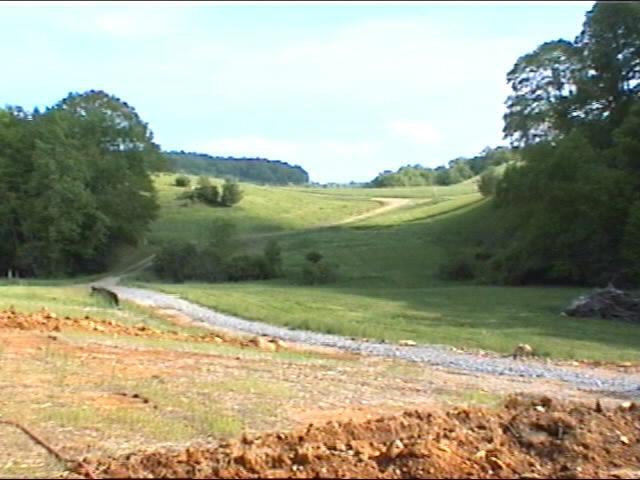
123, 380
46, 321
387, 204
527, 438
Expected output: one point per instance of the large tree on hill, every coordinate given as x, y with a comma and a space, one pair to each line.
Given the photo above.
575, 111
588, 83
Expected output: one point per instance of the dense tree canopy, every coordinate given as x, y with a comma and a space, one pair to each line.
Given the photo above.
458, 170
571, 208
74, 184
255, 170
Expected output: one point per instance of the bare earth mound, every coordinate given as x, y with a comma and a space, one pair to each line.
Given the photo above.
527, 438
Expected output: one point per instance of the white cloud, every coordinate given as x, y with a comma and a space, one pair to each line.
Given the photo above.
419, 132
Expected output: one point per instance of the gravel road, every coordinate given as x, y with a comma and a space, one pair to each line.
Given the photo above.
436, 355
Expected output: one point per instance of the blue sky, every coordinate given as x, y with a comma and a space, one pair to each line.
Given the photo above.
344, 89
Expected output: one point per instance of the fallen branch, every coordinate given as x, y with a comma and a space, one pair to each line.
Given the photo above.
69, 463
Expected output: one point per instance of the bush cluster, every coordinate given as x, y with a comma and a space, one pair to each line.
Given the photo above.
182, 261
317, 270
209, 194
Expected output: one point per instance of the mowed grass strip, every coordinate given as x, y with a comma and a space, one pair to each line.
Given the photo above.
477, 317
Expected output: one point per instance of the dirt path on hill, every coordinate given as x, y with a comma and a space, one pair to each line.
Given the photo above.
387, 204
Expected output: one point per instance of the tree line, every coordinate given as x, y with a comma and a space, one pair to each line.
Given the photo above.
457, 170
74, 184
569, 212
254, 170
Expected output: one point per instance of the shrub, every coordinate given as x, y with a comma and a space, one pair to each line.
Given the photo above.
231, 193
273, 257
208, 194
317, 270
247, 267
313, 257
457, 268
176, 262
182, 181
319, 273
487, 183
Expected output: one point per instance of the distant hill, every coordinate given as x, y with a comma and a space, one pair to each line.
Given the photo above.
255, 170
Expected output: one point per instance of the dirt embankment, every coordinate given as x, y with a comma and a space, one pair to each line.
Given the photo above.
46, 321
527, 438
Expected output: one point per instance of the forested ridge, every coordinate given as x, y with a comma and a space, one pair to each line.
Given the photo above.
254, 170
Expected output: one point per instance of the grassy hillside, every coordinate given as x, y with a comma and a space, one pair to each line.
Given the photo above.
263, 209
388, 287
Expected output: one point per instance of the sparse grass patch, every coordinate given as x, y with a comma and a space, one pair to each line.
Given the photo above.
473, 397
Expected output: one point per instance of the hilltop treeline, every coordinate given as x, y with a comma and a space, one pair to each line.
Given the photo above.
570, 211
255, 170
457, 170
74, 184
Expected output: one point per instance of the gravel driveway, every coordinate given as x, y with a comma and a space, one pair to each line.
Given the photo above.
436, 355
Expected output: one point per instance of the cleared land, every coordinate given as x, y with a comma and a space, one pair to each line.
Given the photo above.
99, 384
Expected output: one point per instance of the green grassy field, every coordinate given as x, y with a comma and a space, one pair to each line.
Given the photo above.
388, 287
263, 209
483, 317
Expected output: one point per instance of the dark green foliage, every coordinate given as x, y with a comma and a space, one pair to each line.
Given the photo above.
69, 180
231, 193
487, 183
248, 267
458, 170
255, 170
273, 257
319, 273
458, 268
182, 181
317, 270
313, 257
177, 262
216, 261
208, 194
570, 210
631, 245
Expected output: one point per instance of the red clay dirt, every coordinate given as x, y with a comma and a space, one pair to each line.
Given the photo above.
527, 438
46, 321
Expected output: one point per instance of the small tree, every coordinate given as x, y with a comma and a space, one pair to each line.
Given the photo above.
208, 194
317, 270
231, 193
273, 257
182, 181
487, 183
